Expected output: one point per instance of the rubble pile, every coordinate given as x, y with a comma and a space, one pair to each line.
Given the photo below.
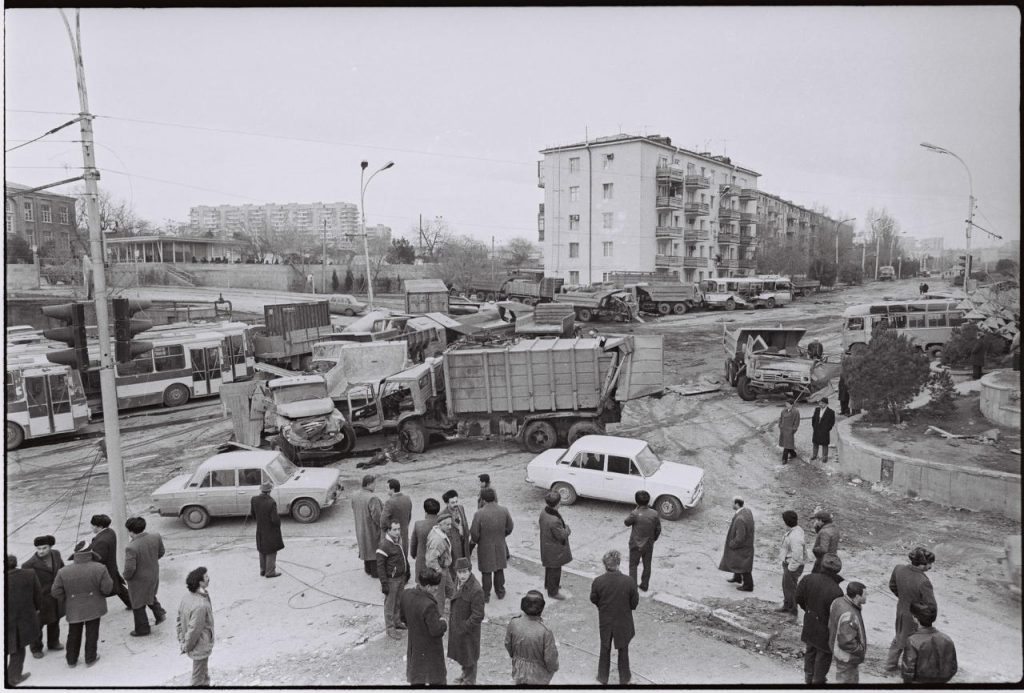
996, 310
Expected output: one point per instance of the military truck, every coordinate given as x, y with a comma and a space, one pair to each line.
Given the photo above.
601, 304
770, 360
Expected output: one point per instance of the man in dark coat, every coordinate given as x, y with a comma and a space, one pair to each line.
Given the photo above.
815, 595
366, 511
420, 532
467, 613
531, 644
418, 610
22, 599
459, 532
616, 597
844, 396
789, 422
104, 545
263, 508
827, 539
485, 483
83, 587
491, 524
911, 585
142, 571
822, 422
978, 356
646, 528
738, 554
554, 544
929, 655
398, 506
45, 562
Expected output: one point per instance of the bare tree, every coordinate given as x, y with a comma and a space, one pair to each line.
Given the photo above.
462, 260
883, 236
518, 252
432, 238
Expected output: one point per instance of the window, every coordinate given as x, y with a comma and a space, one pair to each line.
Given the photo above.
956, 318
608, 190
574, 165
936, 319
574, 278
137, 366
607, 220
45, 215
574, 222
855, 324
27, 206
915, 320
169, 358
618, 465
574, 193
608, 159
607, 248
10, 222
589, 460
574, 250
250, 477
219, 477
540, 235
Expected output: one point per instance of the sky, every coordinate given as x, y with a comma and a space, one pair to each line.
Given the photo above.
231, 106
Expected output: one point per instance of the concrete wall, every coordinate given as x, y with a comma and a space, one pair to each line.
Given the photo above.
1000, 397
19, 277
948, 484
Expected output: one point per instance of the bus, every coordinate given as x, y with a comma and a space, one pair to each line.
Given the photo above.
42, 399
928, 323
177, 369
755, 292
238, 346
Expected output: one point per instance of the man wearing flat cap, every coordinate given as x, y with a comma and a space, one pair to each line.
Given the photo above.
45, 562
827, 540
822, 422
467, 613
263, 509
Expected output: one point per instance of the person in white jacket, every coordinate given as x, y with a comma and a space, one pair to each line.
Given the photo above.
847, 637
195, 625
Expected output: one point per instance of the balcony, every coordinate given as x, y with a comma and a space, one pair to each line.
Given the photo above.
748, 239
696, 235
748, 217
702, 209
727, 214
668, 202
728, 237
747, 194
748, 263
668, 261
728, 189
697, 181
540, 174
670, 173
668, 232
695, 262
728, 263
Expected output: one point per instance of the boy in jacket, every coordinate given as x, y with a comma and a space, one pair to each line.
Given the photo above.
847, 637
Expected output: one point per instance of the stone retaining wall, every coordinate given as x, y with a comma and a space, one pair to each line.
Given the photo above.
20, 277
949, 484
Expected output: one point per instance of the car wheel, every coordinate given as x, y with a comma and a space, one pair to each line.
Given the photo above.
195, 517
679, 309
349, 312
539, 436
664, 308
585, 315
582, 428
491, 297
730, 304
770, 303
176, 395
746, 392
14, 435
566, 492
412, 435
669, 508
305, 510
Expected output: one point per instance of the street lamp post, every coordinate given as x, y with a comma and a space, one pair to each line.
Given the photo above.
970, 209
323, 263
362, 211
839, 225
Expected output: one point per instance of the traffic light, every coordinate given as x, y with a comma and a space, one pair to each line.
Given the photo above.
125, 327
72, 334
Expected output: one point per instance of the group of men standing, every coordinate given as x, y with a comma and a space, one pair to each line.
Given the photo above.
822, 422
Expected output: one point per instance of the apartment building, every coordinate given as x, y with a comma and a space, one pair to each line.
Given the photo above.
799, 230
630, 203
306, 220
43, 219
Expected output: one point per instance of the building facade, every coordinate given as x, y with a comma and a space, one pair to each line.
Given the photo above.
44, 220
309, 221
630, 203
794, 233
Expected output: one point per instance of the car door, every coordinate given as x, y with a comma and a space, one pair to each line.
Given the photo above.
621, 479
249, 480
584, 473
216, 493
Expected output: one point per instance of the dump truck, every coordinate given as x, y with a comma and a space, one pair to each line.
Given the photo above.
600, 304
533, 290
770, 360
665, 299
289, 331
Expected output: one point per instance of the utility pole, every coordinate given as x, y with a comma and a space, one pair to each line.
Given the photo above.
878, 253
492, 258
108, 391
970, 223
863, 255
323, 263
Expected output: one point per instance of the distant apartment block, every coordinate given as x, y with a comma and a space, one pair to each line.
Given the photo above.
42, 219
306, 221
629, 203
802, 228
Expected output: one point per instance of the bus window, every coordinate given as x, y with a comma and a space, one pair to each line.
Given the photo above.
12, 386
898, 321
236, 353
35, 391
917, 307
855, 323
731, 286
916, 320
880, 323
936, 319
169, 358
956, 318
878, 309
59, 394
783, 286
137, 366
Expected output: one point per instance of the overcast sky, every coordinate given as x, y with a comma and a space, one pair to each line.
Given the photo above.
828, 104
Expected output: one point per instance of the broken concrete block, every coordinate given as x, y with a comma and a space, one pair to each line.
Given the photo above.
991, 434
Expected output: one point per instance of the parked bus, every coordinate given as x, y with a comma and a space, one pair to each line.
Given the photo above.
752, 292
238, 347
928, 323
41, 399
176, 370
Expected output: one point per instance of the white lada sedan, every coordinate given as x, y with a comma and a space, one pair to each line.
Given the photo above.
613, 468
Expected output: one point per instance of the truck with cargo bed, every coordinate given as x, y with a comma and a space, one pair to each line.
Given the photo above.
289, 331
600, 304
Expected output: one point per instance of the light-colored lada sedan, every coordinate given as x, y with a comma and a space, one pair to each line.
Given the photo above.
613, 468
224, 485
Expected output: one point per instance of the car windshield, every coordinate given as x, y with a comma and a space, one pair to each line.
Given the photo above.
299, 393
647, 461
280, 469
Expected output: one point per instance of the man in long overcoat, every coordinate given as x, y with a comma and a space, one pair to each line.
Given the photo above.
22, 599
738, 555
83, 587
616, 597
104, 545
366, 511
789, 422
554, 544
467, 613
263, 508
491, 524
398, 506
978, 350
420, 532
418, 610
911, 585
459, 532
822, 422
142, 571
826, 541
844, 396
45, 562
815, 595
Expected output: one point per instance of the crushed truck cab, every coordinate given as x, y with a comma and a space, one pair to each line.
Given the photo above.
770, 360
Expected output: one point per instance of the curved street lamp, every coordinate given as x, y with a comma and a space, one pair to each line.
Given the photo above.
362, 211
970, 209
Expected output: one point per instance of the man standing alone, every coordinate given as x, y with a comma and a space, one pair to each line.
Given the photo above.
195, 625
263, 508
366, 511
491, 525
142, 571
794, 549
554, 544
789, 422
616, 597
738, 555
822, 422
646, 528
846, 634
398, 506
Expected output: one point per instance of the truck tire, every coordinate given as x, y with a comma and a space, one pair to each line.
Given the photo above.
14, 435
412, 435
539, 436
176, 395
730, 304
669, 507
349, 442
491, 296
583, 428
770, 303
195, 516
680, 308
584, 315
664, 308
746, 392
305, 510
566, 492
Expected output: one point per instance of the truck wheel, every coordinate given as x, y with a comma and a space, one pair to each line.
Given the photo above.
14, 435
730, 373
582, 428
669, 507
858, 348
566, 492
730, 304
491, 296
679, 308
585, 315
176, 395
770, 303
305, 510
746, 392
412, 435
195, 517
664, 308
539, 436
349, 441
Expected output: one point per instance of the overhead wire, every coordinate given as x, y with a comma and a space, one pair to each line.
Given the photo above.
48, 132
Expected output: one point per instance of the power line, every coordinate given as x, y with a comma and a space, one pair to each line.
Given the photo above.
48, 132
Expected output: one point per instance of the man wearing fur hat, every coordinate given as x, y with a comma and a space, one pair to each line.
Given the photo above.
46, 561
827, 540
142, 571
815, 595
467, 613
554, 544
911, 585
83, 587
104, 546
263, 509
